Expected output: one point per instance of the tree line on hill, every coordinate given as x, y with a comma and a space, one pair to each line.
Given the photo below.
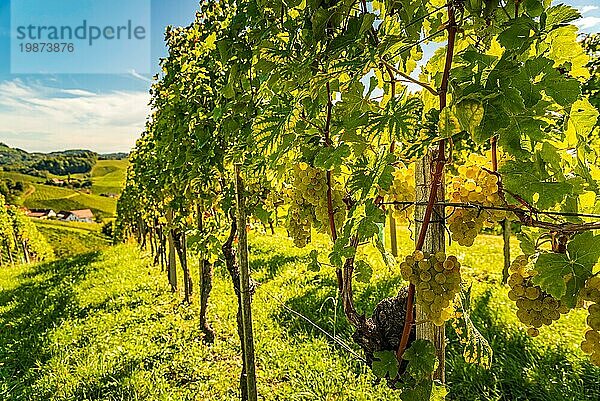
11, 189
57, 163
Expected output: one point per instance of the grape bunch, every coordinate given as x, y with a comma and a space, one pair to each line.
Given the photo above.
402, 190
473, 185
299, 225
308, 204
437, 281
591, 344
535, 307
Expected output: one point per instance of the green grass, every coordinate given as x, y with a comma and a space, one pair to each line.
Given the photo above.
71, 238
108, 176
103, 326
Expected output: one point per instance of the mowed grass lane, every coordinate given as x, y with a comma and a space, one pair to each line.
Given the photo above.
104, 326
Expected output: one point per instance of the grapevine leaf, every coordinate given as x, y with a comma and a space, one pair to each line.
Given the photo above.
563, 275
367, 226
527, 238
559, 15
260, 213
585, 248
567, 52
476, 349
517, 33
527, 179
534, 7
340, 251
582, 120
421, 359
563, 90
319, 22
363, 271
469, 113
419, 392
330, 157
385, 364
448, 124
367, 22
386, 178
314, 264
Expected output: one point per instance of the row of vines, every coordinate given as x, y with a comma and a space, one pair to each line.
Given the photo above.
20, 241
318, 106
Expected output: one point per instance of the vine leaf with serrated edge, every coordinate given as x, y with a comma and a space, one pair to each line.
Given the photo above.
476, 349
563, 275
385, 364
363, 271
314, 264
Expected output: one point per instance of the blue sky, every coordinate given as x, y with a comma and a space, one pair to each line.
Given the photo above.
106, 112
102, 112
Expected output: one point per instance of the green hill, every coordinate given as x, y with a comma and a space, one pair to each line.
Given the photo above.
104, 326
108, 177
70, 238
60, 163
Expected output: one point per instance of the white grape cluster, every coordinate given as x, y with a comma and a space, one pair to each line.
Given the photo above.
536, 308
437, 281
591, 344
402, 190
473, 185
308, 204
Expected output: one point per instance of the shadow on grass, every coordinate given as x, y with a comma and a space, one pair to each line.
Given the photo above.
522, 369
321, 304
31, 310
265, 267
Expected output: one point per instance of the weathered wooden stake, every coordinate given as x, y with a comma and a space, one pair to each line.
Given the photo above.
393, 235
506, 231
434, 242
245, 285
171, 262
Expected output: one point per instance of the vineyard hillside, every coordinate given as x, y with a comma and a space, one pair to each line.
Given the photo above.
104, 326
107, 176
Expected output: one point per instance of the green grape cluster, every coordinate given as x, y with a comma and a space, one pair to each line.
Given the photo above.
299, 225
591, 344
437, 281
402, 190
476, 186
536, 308
308, 204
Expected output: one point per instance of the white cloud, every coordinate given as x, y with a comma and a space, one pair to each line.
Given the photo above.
587, 22
39, 118
587, 9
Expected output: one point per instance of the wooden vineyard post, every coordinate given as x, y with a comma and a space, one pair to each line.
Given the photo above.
504, 223
171, 262
434, 242
245, 286
393, 235
506, 232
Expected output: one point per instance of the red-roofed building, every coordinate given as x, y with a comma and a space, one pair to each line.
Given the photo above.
42, 214
83, 216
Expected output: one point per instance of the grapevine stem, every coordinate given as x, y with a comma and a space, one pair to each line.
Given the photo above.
436, 179
330, 211
425, 85
494, 143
